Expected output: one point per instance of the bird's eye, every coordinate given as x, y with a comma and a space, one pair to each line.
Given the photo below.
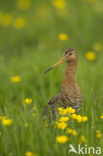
70, 54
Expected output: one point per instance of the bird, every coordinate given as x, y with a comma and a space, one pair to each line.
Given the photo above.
70, 94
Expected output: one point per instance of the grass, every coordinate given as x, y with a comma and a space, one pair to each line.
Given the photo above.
28, 52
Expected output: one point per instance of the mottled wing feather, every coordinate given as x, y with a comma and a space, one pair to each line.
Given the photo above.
62, 100
74, 102
51, 107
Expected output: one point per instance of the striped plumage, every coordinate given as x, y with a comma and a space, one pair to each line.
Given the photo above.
70, 94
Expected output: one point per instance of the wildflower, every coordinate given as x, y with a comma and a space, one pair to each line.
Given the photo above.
82, 139
62, 111
74, 133
28, 100
71, 131
74, 116
62, 139
7, 122
79, 118
90, 55
84, 118
70, 110
101, 116
6, 20
30, 154
23, 4
15, 79
19, 23
97, 46
68, 130
98, 135
59, 4
61, 125
64, 119
63, 37
26, 124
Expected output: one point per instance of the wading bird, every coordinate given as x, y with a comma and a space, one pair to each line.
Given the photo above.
70, 94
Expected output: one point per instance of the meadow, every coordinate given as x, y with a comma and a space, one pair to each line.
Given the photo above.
33, 37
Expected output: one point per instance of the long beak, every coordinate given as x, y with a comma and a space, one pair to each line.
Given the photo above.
55, 65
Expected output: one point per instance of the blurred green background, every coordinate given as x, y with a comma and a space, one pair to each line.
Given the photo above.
30, 40
33, 36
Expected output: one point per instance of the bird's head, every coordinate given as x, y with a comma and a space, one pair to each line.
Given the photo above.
70, 55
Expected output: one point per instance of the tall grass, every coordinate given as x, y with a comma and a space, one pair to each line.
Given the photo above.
28, 53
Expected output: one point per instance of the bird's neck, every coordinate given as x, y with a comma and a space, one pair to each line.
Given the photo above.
69, 75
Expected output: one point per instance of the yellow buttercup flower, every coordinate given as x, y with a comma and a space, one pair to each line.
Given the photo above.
71, 131
68, 130
90, 55
98, 135
23, 4
0, 133
30, 154
101, 116
82, 139
7, 122
62, 139
15, 79
97, 47
84, 118
19, 23
62, 111
6, 20
62, 125
64, 119
74, 116
26, 124
70, 110
79, 118
59, 4
63, 37
74, 132
28, 100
